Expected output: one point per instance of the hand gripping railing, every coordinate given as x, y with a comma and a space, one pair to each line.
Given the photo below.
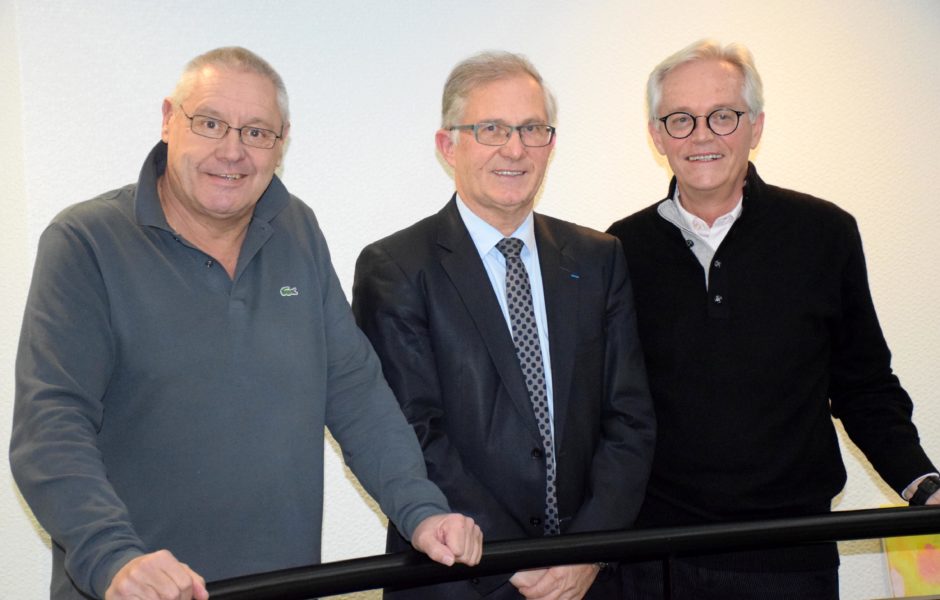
414, 569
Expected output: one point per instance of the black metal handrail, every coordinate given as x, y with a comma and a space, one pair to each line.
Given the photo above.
414, 569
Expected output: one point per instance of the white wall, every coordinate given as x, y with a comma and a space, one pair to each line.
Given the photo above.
852, 94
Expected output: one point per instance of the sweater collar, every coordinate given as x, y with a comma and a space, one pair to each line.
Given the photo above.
754, 202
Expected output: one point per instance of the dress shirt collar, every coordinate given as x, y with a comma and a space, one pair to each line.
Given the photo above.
699, 225
712, 234
485, 236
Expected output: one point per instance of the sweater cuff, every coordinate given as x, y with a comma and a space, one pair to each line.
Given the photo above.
104, 573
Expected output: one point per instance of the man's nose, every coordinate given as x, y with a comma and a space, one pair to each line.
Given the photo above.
230, 146
513, 148
702, 131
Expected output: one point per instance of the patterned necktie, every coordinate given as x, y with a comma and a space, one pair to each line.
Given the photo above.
525, 337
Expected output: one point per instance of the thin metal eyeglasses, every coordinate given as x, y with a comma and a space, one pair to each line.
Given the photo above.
721, 121
532, 135
215, 129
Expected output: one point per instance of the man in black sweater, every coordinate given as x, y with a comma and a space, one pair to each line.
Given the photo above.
757, 325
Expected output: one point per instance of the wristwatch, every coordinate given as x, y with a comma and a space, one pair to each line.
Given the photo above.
926, 489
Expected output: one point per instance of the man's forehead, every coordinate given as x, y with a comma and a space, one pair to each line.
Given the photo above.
501, 97
705, 72
708, 82
220, 90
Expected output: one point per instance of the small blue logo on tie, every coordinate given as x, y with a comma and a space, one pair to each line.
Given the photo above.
289, 291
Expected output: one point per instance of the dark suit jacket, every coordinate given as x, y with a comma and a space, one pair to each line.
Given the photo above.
423, 297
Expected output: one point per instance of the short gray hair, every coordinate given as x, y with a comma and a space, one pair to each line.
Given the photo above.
236, 58
484, 68
735, 54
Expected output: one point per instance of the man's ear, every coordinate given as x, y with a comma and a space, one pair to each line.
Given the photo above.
167, 115
446, 145
656, 133
757, 128
282, 147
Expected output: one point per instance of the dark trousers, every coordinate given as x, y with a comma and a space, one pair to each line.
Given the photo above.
686, 581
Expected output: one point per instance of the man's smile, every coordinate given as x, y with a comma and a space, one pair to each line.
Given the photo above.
704, 157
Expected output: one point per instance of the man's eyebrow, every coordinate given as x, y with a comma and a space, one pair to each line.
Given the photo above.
260, 122
712, 108
529, 121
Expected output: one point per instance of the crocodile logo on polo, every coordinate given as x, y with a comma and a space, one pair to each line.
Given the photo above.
287, 291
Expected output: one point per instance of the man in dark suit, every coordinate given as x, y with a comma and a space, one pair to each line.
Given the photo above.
510, 341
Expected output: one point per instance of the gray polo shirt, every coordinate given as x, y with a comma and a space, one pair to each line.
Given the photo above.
161, 404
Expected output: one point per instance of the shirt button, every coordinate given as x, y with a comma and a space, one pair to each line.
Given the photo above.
717, 264
535, 521
718, 299
536, 453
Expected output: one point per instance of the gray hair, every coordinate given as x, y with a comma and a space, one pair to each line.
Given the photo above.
236, 58
484, 68
735, 54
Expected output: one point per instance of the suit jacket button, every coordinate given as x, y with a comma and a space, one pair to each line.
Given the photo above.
536, 453
535, 521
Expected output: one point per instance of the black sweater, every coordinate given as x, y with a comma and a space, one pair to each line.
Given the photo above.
745, 374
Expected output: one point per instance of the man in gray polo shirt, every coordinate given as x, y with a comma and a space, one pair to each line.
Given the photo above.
185, 342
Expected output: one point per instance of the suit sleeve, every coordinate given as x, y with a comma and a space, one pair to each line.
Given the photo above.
864, 392
623, 454
392, 311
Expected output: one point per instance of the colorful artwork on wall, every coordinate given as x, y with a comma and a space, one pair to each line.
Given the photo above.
913, 564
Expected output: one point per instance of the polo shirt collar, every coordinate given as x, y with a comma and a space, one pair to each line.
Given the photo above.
147, 201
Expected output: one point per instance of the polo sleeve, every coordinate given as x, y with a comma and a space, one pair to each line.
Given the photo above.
63, 366
377, 442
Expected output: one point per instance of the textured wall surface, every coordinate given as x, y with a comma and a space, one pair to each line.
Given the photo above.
24, 557
852, 89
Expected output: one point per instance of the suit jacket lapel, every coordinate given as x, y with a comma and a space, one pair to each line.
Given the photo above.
461, 262
560, 283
